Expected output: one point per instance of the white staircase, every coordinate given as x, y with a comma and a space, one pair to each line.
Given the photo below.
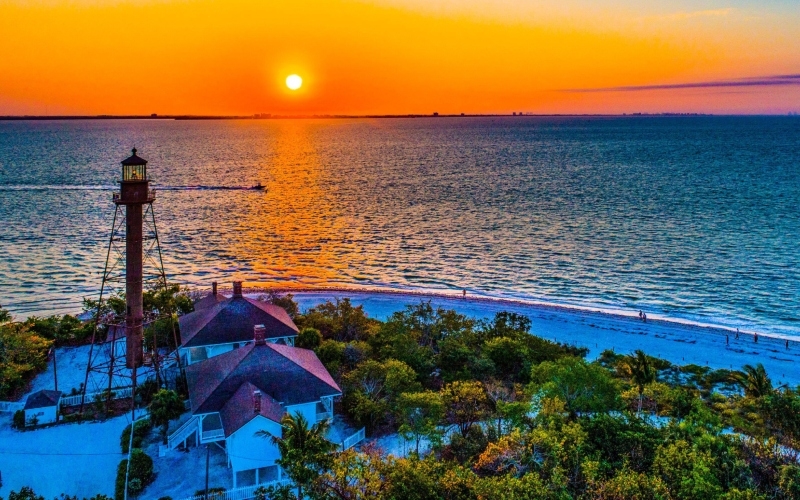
183, 432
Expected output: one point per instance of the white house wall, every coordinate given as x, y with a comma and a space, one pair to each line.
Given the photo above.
46, 415
308, 410
248, 451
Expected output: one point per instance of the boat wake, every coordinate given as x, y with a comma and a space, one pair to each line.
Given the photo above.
33, 187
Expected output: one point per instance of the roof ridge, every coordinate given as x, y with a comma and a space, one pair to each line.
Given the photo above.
208, 317
261, 306
275, 348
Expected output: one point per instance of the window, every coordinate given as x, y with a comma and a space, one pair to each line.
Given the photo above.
134, 173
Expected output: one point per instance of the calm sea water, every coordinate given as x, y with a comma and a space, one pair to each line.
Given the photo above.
694, 217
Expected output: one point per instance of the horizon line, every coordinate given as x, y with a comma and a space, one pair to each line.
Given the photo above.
269, 116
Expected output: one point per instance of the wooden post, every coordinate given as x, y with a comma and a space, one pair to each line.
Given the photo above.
207, 453
55, 371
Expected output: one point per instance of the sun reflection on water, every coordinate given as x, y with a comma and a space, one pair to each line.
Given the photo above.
296, 228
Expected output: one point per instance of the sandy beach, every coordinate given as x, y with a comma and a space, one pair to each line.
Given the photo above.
598, 330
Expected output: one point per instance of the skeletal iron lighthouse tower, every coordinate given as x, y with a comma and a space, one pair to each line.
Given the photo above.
133, 263
134, 193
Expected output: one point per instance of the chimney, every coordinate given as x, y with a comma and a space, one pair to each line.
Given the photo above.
256, 401
259, 334
237, 288
214, 288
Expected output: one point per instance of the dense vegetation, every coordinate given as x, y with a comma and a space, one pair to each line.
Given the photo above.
27, 493
25, 345
489, 410
23, 354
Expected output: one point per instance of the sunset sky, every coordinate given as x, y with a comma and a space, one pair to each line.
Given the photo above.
398, 56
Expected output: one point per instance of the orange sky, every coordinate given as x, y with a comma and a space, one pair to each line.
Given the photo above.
394, 56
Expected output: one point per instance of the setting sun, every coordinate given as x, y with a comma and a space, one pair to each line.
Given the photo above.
294, 82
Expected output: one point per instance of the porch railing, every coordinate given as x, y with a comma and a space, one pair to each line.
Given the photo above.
242, 493
353, 440
212, 435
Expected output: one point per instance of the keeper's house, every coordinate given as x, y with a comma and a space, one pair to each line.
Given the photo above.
242, 384
219, 325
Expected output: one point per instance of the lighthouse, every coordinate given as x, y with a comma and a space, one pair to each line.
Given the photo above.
133, 265
134, 194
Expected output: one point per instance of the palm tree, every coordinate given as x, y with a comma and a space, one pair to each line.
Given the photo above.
640, 370
754, 380
304, 450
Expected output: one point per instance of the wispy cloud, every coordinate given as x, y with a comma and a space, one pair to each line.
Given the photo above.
758, 81
680, 16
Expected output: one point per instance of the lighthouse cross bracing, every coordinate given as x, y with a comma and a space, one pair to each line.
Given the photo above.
133, 264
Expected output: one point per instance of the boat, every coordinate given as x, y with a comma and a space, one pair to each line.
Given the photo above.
258, 187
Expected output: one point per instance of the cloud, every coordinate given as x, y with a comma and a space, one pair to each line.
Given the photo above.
757, 81
680, 16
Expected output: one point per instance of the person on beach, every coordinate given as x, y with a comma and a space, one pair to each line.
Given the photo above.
737, 334
644, 317
640, 314
755, 338
727, 340
465, 294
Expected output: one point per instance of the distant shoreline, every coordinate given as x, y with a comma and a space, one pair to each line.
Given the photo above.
343, 117
619, 314
595, 329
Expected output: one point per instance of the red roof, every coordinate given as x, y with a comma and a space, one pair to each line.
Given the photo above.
239, 410
289, 375
43, 398
209, 300
232, 320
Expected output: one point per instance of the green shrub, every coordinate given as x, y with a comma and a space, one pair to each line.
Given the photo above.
19, 419
141, 474
309, 338
25, 493
146, 390
465, 448
142, 429
214, 492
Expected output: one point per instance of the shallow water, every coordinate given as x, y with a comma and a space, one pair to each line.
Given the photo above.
690, 217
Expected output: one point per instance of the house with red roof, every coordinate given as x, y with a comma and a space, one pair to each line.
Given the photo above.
221, 324
238, 392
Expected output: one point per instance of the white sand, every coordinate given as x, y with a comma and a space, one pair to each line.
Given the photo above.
677, 342
77, 459
180, 474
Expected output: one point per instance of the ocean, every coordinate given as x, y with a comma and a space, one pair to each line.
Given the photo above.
691, 218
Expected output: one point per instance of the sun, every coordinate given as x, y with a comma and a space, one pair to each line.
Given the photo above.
294, 82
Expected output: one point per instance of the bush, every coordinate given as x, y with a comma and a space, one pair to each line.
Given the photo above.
309, 338
214, 492
466, 448
141, 474
19, 419
141, 431
147, 390
23, 354
283, 492
25, 493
